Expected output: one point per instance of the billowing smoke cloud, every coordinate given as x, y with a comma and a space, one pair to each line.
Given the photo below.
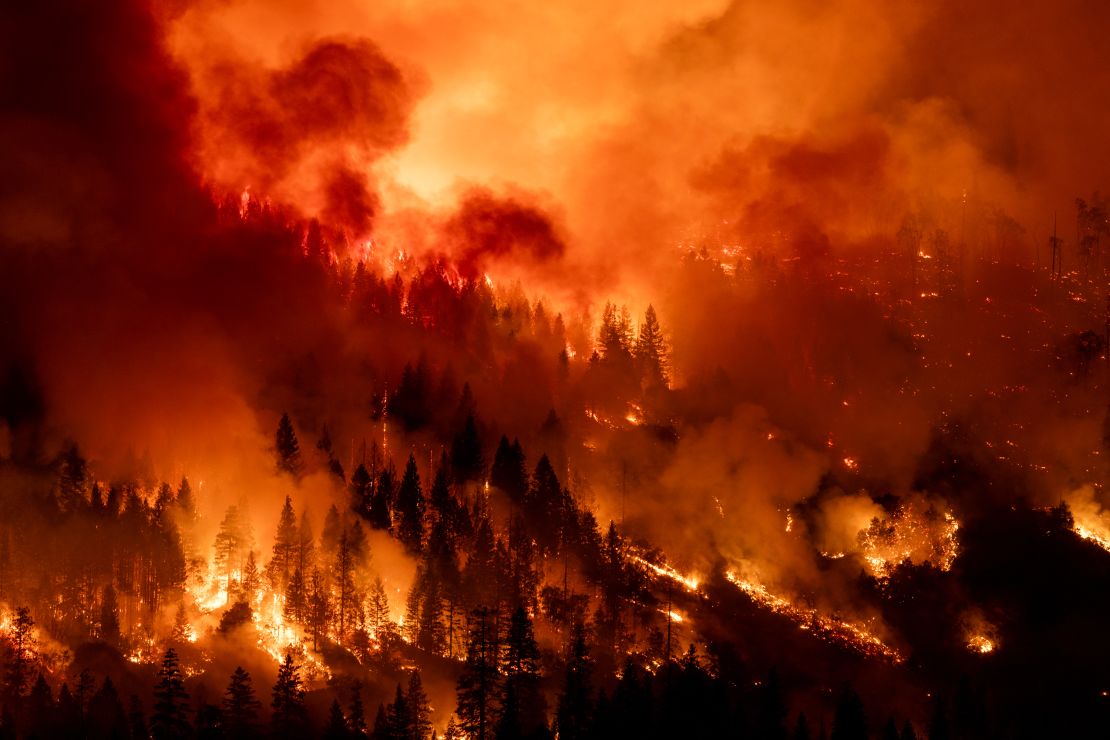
306, 134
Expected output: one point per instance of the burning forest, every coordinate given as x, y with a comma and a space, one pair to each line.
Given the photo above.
490, 371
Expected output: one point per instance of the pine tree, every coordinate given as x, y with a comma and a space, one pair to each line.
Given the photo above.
241, 706
420, 723
381, 504
356, 715
362, 491
179, 633
109, 616
288, 719
171, 701
21, 651
319, 609
410, 508
348, 604
400, 716
508, 472
186, 503
651, 351
615, 337
523, 709
137, 720
545, 507
574, 712
378, 608
70, 718
336, 727
296, 598
252, 579
431, 636
383, 725
467, 461
106, 715
232, 545
288, 450
284, 558
41, 709
73, 478
477, 685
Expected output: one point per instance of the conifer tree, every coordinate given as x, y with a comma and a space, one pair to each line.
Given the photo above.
171, 701
574, 712
651, 351
523, 709
362, 491
240, 705
381, 504
477, 687
21, 654
319, 609
508, 472
109, 616
420, 723
336, 727
356, 715
467, 462
378, 607
105, 715
288, 719
410, 508
283, 560
288, 450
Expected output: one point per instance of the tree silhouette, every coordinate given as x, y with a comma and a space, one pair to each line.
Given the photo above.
106, 715
287, 448
21, 650
467, 462
171, 701
336, 727
356, 715
573, 714
410, 509
240, 705
523, 709
476, 689
651, 351
283, 559
288, 719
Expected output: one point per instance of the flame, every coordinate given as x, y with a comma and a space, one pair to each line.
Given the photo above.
851, 634
981, 644
1090, 520
664, 570
916, 532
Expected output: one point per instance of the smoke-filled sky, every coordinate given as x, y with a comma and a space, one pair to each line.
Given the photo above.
638, 125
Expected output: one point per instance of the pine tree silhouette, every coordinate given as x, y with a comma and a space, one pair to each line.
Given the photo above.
171, 701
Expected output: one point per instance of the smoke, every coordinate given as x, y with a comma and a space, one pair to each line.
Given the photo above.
308, 133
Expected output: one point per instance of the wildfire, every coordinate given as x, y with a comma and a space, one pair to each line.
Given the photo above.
663, 570
1090, 520
980, 644
915, 532
851, 634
